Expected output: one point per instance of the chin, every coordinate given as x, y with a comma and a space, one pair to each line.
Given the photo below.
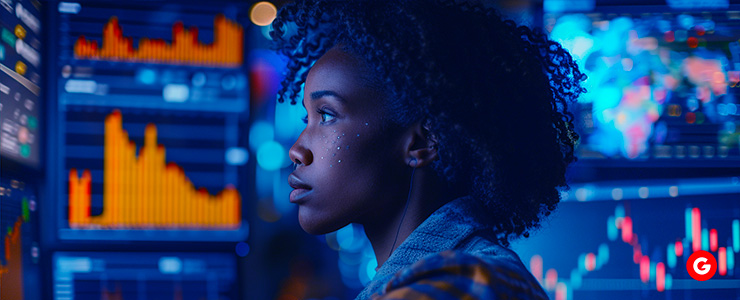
317, 226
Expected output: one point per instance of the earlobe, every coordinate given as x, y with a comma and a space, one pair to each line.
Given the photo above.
425, 156
421, 149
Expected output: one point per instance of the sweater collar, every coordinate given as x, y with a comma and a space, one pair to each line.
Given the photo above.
444, 229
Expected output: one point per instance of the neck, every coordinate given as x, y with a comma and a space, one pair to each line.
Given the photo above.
427, 196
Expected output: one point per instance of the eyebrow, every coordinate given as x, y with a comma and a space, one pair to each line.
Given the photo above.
319, 94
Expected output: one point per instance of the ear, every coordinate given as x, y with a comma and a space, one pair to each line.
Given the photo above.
420, 145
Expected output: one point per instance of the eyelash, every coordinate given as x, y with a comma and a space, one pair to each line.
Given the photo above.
320, 112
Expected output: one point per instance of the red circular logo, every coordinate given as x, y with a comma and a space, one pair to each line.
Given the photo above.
701, 265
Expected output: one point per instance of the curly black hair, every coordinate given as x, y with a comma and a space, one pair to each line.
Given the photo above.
494, 95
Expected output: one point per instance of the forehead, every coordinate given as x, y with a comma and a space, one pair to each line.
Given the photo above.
340, 73
337, 60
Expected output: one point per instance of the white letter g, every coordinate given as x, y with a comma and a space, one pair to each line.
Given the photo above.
704, 268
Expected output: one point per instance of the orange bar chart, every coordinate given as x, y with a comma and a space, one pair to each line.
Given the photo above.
11, 274
145, 192
185, 48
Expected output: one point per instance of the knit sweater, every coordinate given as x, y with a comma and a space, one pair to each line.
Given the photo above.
452, 250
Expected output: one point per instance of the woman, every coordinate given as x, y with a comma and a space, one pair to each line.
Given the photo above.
439, 127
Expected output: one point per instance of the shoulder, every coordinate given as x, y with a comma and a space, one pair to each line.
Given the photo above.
458, 275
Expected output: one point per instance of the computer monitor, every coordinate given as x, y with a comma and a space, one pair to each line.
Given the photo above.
662, 85
144, 275
657, 175
152, 99
20, 82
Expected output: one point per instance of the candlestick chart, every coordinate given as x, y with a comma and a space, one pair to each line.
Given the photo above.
638, 245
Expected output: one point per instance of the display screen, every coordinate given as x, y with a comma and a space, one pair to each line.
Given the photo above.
151, 99
661, 85
19, 255
97, 275
637, 249
657, 175
20, 81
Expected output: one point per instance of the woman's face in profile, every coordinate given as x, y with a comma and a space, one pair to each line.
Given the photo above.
351, 166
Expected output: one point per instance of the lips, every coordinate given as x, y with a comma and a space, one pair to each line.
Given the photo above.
300, 191
296, 182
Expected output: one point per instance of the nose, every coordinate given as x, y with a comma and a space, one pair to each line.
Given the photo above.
299, 154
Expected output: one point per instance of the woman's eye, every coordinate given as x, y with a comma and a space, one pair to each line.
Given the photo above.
324, 116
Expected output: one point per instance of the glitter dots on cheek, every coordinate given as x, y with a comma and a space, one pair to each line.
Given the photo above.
336, 142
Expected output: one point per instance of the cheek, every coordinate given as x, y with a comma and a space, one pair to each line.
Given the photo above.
342, 147
354, 163
358, 162
355, 168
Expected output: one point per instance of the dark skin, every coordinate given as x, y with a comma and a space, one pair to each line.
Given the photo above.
359, 171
